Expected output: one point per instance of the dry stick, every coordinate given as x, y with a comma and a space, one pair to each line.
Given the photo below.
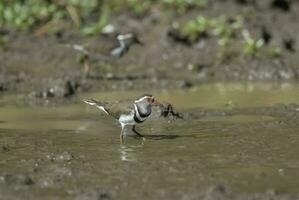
74, 15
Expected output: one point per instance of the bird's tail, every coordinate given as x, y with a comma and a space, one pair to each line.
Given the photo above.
100, 105
93, 102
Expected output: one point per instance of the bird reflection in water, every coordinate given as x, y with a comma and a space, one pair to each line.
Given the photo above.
128, 153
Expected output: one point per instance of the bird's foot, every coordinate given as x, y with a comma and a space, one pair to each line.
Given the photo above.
136, 132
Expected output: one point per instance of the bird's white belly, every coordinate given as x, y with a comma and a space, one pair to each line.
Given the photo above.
127, 119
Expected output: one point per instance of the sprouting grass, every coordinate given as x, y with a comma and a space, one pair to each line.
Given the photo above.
89, 16
225, 30
222, 28
139, 7
256, 47
102, 21
197, 28
22, 16
251, 46
182, 6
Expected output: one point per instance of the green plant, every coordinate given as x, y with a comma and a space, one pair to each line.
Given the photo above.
1, 15
224, 29
183, 5
195, 29
139, 7
274, 52
44, 15
3, 40
24, 15
251, 46
102, 21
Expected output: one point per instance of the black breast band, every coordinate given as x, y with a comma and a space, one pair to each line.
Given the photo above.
141, 114
136, 119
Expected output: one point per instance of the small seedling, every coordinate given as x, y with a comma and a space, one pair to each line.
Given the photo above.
84, 58
139, 7
251, 46
181, 6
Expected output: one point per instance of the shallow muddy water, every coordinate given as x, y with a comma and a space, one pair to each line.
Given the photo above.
233, 135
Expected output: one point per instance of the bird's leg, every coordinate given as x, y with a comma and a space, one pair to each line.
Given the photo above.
122, 134
135, 131
86, 67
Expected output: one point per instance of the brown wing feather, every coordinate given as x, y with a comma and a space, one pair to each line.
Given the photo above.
115, 109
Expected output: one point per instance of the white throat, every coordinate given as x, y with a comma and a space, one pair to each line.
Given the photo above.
142, 99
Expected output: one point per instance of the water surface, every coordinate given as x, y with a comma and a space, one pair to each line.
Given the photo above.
73, 150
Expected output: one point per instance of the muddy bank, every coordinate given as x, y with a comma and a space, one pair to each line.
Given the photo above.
285, 115
213, 192
47, 66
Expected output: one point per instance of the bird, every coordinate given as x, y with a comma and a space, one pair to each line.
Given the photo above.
125, 42
128, 112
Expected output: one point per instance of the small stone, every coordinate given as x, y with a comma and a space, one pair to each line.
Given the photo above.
108, 29
281, 172
65, 156
28, 181
185, 84
5, 148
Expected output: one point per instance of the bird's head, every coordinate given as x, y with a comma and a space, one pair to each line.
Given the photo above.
148, 99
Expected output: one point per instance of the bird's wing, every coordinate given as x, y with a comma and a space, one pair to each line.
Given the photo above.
116, 109
119, 51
